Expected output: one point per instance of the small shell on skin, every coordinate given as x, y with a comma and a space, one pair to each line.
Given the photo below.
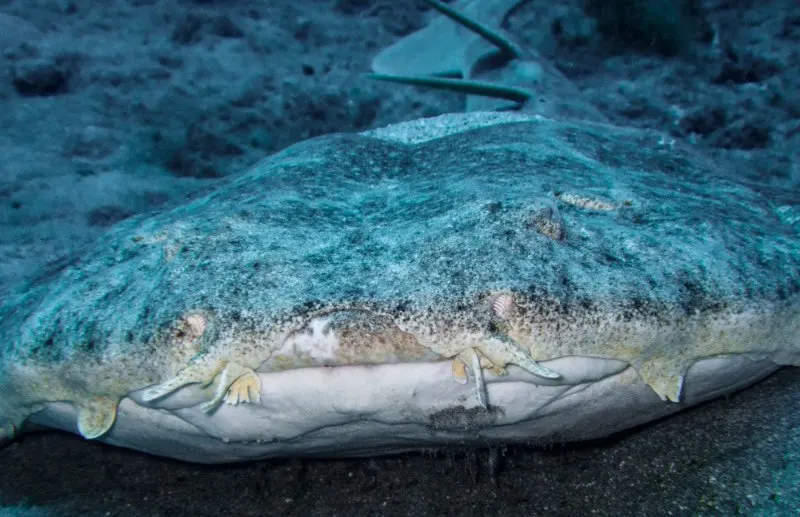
502, 304
195, 324
547, 219
186, 332
586, 202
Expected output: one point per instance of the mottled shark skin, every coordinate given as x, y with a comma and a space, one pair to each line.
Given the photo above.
467, 279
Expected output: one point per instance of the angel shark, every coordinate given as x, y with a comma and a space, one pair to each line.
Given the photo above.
473, 278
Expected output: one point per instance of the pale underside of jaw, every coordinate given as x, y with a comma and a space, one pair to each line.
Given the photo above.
365, 410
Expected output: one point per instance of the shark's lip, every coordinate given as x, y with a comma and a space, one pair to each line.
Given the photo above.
365, 410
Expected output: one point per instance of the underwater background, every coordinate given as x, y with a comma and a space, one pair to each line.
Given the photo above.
115, 108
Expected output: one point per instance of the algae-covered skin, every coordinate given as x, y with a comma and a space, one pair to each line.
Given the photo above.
563, 253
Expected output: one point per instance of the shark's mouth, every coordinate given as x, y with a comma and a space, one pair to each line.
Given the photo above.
376, 409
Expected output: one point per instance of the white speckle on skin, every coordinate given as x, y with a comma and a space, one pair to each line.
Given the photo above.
316, 340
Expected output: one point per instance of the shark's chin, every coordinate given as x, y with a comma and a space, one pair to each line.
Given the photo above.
382, 409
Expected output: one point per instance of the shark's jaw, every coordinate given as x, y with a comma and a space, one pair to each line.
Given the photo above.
377, 409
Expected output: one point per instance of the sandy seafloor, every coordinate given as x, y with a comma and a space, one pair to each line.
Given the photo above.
113, 108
